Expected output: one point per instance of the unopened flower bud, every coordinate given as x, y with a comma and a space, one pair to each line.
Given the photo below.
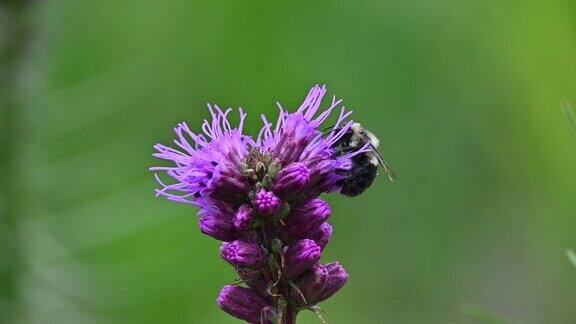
229, 186
291, 180
310, 284
218, 226
300, 256
242, 303
253, 278
277, 245
243, 217
266, 202
337, 277
243, 254
322, 235
321, 178
306, 218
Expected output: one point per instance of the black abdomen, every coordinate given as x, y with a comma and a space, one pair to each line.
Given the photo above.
359, 178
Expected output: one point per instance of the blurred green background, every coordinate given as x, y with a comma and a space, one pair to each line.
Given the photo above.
465, 96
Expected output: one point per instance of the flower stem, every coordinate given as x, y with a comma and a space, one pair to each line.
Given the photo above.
290, 316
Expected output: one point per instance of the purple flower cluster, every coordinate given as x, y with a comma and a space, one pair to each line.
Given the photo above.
261, 198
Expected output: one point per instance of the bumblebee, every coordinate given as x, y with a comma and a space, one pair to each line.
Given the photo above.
364, 165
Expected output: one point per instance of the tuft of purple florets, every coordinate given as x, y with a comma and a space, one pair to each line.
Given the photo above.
243, 254
205, 165
260, 197
266, 202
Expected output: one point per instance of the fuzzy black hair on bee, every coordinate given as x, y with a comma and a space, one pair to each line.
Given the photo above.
364, 165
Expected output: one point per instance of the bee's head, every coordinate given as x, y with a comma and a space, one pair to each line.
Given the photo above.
357, 128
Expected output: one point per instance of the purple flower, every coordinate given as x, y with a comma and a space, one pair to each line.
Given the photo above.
242, 303
260, 196
243, 254
300, 256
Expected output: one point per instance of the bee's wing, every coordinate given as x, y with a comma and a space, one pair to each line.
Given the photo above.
389, 171
383, 162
